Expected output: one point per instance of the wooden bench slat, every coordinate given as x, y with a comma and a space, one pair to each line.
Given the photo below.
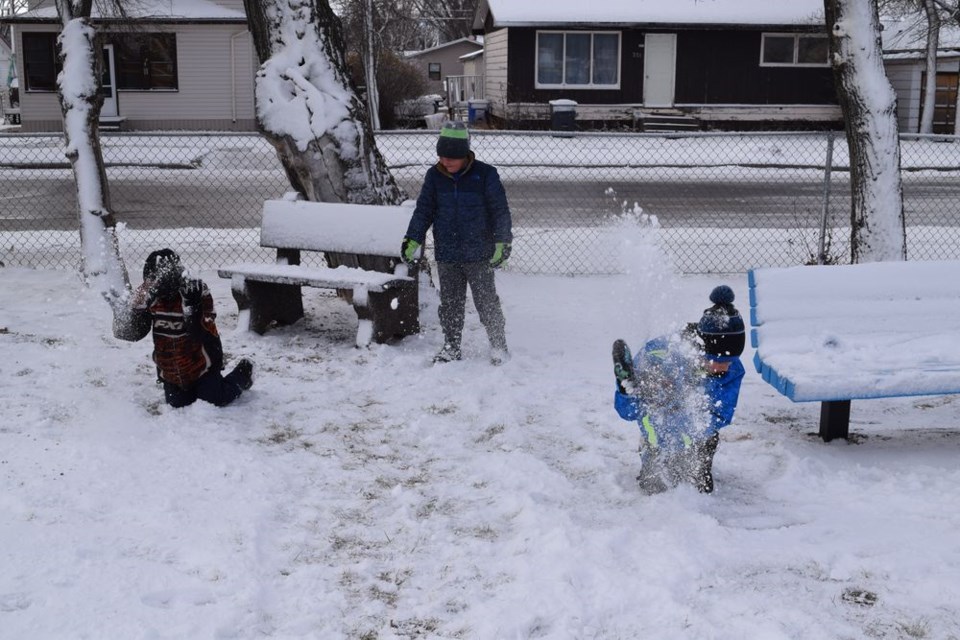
347, 228
324, 277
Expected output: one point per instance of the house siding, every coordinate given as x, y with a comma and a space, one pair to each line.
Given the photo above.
236, 5
495, 50
723, 67
713, 67
521, 82
205, 96
450, 63
205, 90
905, 77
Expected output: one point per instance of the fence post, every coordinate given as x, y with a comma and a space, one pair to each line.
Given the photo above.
827, 170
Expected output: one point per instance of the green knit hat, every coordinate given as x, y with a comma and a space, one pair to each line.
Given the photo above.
454, 141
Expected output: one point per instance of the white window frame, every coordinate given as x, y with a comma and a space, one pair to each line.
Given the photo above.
563, 70
796, 50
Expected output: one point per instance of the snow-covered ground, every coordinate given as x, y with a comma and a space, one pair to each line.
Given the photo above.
364, 493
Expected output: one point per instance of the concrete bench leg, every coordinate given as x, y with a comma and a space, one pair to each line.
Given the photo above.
834, 419
394, 313
268, 302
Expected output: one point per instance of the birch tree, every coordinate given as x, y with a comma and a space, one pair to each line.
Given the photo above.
932, 14
78, 87
869, 105
308, 109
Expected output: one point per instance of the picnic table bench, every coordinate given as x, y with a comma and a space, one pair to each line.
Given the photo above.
842, 332
363, 241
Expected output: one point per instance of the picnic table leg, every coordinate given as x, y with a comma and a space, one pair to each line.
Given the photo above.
834, 419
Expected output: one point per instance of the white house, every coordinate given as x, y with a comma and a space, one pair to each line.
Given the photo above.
181, 64
6, 59
904, 57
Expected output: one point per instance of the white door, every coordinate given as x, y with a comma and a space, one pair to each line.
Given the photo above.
659, 69
108, 84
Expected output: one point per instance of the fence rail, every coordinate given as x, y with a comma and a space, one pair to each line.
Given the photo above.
715, 202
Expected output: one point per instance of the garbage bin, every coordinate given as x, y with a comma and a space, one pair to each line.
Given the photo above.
476, 110
563, 115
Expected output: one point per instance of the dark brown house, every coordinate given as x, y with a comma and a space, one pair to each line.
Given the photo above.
722, 64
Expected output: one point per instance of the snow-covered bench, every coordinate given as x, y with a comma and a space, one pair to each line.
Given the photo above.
837, 333
384, 294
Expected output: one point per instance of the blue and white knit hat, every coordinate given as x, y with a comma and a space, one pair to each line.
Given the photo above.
721, 328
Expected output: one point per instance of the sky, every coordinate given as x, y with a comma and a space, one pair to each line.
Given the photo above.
366, 493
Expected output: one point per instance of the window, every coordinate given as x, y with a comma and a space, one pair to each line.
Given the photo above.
40, 62
794, 50
582, 59
433, 70
146, 61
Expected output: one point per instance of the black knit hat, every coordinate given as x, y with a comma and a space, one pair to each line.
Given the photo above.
721, 328
454, 141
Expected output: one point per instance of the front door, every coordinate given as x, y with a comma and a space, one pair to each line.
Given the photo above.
108, 84
659, 69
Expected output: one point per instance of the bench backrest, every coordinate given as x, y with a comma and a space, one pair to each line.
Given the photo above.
332, 226
857, 331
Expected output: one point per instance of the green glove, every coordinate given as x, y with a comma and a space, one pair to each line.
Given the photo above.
408, 250
501, 251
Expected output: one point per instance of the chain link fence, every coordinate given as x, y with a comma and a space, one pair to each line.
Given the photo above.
714, 203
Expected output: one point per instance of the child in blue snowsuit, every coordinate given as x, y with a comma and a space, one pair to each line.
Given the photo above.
682, 390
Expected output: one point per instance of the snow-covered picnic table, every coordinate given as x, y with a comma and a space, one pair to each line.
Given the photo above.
842, 332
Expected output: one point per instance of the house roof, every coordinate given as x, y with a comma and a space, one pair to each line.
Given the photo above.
472, 41
507, 13
471, 55
150, 10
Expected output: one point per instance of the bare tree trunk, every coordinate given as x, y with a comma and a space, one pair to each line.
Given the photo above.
930, 87
370, 67
869, 105
308, 109
80, 102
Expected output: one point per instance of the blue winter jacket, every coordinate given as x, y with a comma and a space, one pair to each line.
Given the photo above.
467, 210
674, 428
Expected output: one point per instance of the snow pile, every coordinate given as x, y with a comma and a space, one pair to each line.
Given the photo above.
364, 493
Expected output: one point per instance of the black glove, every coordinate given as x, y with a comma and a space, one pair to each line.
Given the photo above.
623, 367
191, 291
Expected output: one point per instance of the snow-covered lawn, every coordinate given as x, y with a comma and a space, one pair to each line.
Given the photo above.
367, 494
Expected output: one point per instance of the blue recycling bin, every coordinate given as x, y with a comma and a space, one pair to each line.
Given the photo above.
477, 110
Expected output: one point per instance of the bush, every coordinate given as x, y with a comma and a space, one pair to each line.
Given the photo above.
397, 81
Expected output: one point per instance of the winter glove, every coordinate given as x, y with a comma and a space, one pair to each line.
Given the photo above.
191, 294
623, 368
408, 250
501, 252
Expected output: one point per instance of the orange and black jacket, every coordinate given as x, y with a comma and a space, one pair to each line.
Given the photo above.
184, 346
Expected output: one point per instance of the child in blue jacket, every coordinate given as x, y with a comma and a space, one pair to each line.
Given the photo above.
681, 390
464, 202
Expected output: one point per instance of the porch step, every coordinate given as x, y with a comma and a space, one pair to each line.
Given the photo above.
657, 122
111, 123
